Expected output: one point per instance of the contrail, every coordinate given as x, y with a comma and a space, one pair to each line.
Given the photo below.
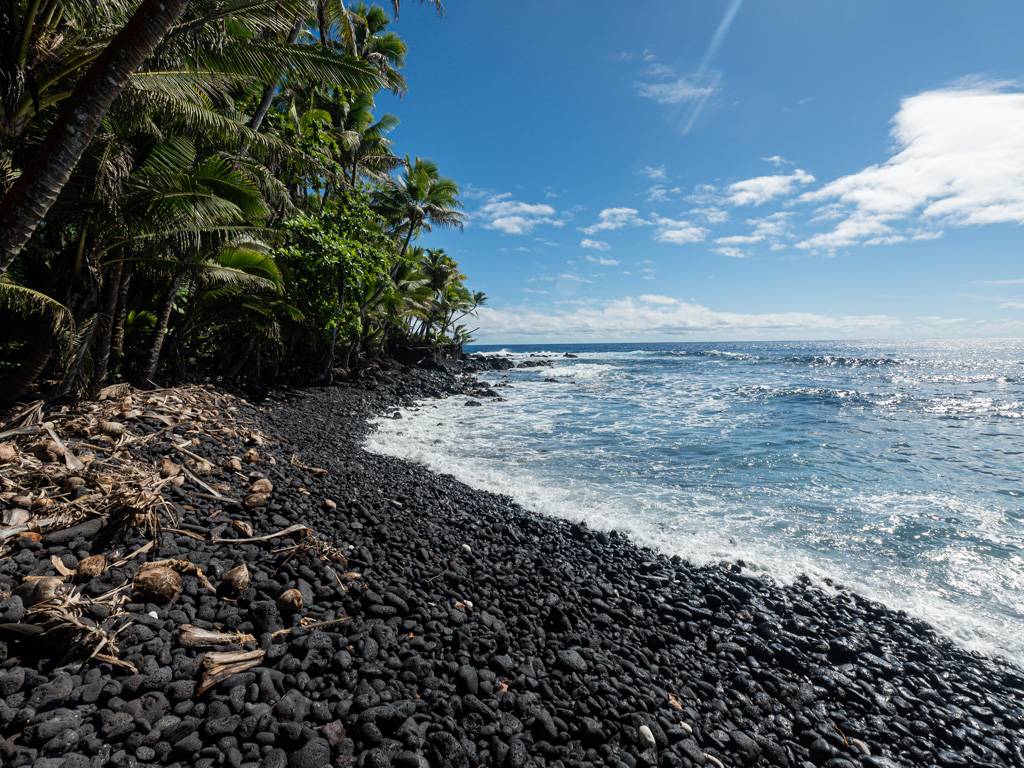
719, 37
716, 42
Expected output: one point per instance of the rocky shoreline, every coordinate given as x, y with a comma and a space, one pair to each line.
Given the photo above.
409, 620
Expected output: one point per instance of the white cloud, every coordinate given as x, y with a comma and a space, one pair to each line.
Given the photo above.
573, 278
1011, 281
711, 215
732, 252
676, 92
654, 172
614, 218
595, 245
659, 193
653, 316
773, 225
513, 217
777, 160
678, 232
602, 261
761, 189
1012, 305
960, 162
850, 231
739, 239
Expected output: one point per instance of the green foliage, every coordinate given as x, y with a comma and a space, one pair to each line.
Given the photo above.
240, 210
330, 257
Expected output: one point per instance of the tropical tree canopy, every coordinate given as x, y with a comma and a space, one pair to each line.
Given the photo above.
227, 201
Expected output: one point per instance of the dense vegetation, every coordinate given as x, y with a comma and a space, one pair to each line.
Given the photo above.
202, 186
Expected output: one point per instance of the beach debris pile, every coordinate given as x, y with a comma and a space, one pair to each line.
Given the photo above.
112, 510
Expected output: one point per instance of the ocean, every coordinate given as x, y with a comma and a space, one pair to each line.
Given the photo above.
894, 469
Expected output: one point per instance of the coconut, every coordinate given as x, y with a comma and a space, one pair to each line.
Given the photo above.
252, 456
38, 589
91, 567
261, 486
168, 468
72, 483
47, 450
255, 499
237, 580
290, 601
242, 526
233, 463
158, 581
8, 453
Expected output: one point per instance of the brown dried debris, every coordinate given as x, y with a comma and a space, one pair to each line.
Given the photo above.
220, 665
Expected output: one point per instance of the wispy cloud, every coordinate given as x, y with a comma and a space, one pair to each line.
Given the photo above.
677, 91
602, 261
676, 232
711, 215
654, 172
514, 217
732, 252
960, 163
659, 193
761, 189
614, 218
777, 160
654, 315
1007, 282
596, 245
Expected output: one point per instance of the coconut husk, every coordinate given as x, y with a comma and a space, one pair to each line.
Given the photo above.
185, 567
158, 581
168, 468
290, 601
38, 589
219, 666
237, 580
8, 453
91, 567
263, 486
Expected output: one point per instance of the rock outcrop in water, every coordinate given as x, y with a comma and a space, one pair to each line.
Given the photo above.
441, 626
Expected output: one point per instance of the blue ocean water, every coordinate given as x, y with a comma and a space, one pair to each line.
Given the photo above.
892, 468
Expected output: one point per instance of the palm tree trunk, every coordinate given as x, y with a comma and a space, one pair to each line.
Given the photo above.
160, 332
117, 330
30, 197
113, 289
268, 93
408, 238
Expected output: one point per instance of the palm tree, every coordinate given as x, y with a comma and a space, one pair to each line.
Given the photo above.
419, 200
366, 149
366, 38
192, 71
30, 197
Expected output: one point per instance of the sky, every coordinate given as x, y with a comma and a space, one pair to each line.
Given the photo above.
727, 169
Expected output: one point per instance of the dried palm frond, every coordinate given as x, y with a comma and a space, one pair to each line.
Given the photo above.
60, 622
196, 637
218, 666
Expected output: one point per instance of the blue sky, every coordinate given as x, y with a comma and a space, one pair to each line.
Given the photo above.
727, 169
